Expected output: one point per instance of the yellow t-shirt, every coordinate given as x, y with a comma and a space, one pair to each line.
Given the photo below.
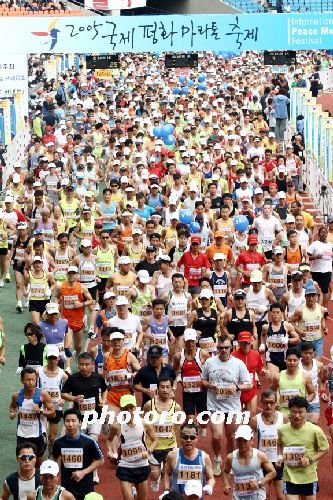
307, 440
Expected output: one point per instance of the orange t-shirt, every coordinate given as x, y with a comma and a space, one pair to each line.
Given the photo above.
116, 371
225, 249
70, 294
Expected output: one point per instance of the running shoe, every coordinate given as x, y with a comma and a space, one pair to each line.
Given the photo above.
19, 307
1, 283
217, 467
7, 278
155, 485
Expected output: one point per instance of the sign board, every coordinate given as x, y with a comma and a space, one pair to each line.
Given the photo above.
114, 4
181, 60
102, 61
280, 57
105, 74
279, 69
14, 77
174, 33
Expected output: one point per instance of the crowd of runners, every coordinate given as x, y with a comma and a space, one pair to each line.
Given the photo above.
156, 232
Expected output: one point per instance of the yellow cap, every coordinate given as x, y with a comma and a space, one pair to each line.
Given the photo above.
93, 496
127, 400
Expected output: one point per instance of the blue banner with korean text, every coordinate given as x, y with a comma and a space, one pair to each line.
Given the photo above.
92, 34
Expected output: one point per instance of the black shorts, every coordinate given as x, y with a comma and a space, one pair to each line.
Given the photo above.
39, 442
279, 472
194, 402
323, 280
19, 268
161, 455
57, 418
305, 490
38, 305
281, 365
133, 475
101, 285
194, 290
177, 331
269, 254
3, 251
92, 291
259, 325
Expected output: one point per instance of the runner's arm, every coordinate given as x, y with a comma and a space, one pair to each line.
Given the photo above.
310, 390
169, 465
45, 398
5, 492
268, 467
210, 480
153, 438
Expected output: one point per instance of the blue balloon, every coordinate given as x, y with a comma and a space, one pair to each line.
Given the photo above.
176, 90
157, 131
182, 78
190, 83
169, 140
167, 130
185, 216
241, 223
194, 227
202, 77
202, 86
184, 90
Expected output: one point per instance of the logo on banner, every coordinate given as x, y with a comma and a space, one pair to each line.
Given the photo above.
51, 33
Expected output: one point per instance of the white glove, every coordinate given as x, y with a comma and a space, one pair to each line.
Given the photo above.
208, 490
19, 370
262, 348
163, 494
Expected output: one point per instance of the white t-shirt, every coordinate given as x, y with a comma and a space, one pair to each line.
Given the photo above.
131, 326
266, 230
223, 374
324, 250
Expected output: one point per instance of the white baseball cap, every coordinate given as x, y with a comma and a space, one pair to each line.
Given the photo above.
52, 308
116, 335
122, 300
86, 243
124, 259
245, 432
190, 334
143, 276
49, 467
108, 295
219, 256
52, 350
72, 269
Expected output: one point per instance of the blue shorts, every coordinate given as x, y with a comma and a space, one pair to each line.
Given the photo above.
318, 345
314, 408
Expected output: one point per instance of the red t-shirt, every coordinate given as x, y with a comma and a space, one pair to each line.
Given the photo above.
254, 364
250, 261
193, 267
268, 168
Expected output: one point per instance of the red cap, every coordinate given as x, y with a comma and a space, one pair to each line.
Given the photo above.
253, 238
49, 127
171, 154
245, 337
273, 184
195, 239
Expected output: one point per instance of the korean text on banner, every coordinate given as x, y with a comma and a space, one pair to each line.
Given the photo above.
174, 33
14, 76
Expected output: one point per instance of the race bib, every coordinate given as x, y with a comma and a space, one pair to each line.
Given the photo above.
222, 393
37, 290
252, 267
164, 431
220, 290
116, 377
266, 242
243, 485
286, 395
28, 416
132, 450
178, 311
88, 404
192, 384
327, 255
188, 473
278, 280
292, 455
268, 444
208, 344
69, 301
145, 311
121, 289
276, 343
194, 273
159, 340
72, 458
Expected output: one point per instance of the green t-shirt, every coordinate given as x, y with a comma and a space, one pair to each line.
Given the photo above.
309, 436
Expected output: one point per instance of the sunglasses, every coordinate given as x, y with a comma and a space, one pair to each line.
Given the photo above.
239, 298
29, 334
188, 437
104, 238
194, 244
223, 347
27, 458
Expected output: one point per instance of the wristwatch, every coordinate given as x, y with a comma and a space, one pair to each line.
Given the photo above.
260, 484
311, 461
237, 388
